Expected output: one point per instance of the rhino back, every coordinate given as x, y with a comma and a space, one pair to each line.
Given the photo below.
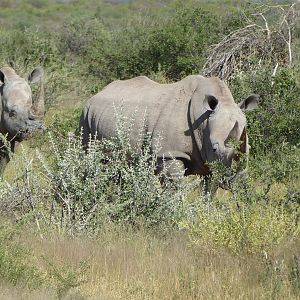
161, 108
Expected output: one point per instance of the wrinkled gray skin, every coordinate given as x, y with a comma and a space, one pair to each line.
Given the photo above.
196, 117
20, 117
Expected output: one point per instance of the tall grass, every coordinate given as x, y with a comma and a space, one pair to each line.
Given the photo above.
122, 263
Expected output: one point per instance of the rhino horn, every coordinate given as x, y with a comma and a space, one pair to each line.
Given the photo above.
244, 147
39, 103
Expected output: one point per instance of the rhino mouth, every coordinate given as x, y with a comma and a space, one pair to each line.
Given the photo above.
231, 178
27, 133
23, 134
224, 159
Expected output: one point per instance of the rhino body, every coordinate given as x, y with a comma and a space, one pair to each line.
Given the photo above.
195, 118
20, 117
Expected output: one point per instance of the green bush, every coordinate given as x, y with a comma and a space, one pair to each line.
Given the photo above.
113, 182
260, 212
29, 48
273, 129
179, 44
280, 164
64, 121
175, 44
17, 265
68, 279
253, 219
249, 228
21, 268
78, 36
276, 120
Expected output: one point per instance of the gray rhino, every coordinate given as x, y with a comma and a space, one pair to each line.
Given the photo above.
20, 117
195, 117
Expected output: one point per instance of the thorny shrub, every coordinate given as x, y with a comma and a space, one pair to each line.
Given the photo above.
254, 218
113, 181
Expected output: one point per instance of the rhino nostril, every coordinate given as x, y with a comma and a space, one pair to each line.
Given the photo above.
24, 130
215, 147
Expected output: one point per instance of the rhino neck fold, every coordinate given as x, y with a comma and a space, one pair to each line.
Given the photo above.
197, 120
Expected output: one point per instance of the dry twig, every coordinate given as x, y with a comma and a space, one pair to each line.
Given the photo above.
271, 43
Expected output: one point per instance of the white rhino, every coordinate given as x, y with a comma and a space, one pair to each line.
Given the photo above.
20, 117
195, 117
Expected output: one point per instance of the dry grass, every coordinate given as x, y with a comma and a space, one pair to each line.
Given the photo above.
16, 293
137, 265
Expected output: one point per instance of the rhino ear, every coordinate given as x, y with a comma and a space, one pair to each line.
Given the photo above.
250, 103
210, 102
2, 76
35, 75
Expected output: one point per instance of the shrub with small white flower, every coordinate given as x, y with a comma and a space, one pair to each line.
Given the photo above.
77, 191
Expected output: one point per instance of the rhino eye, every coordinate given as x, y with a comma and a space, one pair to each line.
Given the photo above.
12, 114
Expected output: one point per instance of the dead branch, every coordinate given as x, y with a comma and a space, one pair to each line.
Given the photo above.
266, 42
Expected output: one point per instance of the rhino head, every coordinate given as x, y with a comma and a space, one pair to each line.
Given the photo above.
226, 125
20, 116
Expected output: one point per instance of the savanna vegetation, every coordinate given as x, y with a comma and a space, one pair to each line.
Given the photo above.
74, 228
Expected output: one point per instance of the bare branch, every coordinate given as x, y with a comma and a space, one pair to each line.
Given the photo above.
270, 43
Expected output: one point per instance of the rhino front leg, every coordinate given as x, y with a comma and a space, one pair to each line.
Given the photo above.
4, 159
5, 155
170, 168
209, 187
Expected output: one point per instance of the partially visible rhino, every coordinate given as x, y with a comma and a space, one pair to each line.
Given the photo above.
20, 117
196, 118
